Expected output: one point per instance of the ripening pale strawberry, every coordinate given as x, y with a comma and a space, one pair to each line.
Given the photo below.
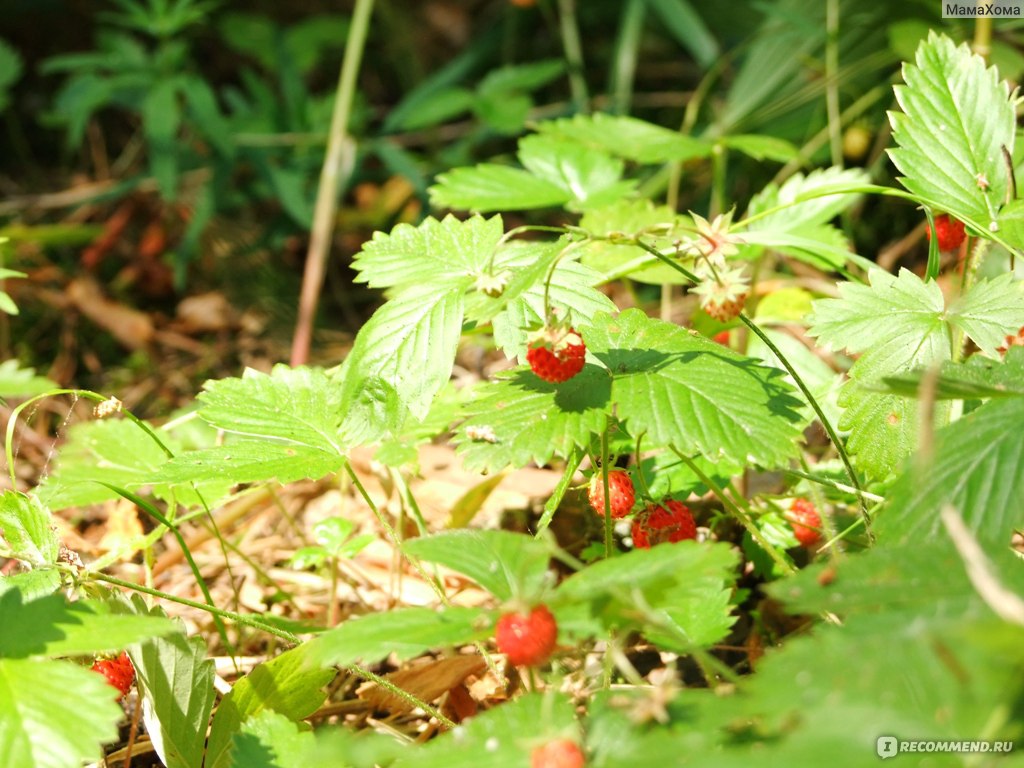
1012, 341
555, 354
806, 522
950, 231
558, 753
527, 640
672, 521
621, 495
724, 294
119, 672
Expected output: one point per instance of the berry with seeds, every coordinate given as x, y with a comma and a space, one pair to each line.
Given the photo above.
555, 354
672, 521
806, 522
722, 295
950, 232
558, 753
119, 672
527, 640
620, 493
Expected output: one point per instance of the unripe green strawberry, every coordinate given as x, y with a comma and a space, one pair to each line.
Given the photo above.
670, 522
620, 493
527, 640
806, 522
950, 232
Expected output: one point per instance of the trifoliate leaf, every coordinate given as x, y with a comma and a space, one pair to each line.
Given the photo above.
956, 120
590, 176
898, 324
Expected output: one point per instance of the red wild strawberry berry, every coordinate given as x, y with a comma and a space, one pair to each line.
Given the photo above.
671, 522
722, 337
806, 522
556, 354
558, 753
119, 672
527, 640
1012, 341
950, 231
620, 493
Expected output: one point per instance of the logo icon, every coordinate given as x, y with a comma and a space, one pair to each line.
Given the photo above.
887, 747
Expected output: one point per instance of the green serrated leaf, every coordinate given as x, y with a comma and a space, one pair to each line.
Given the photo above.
627, 137
989, 311
32, 584
762, 147
176, 683
442, 253
295, 405
804, 201
45, 727
571, 291
520, 418
591, 177
290, 684
490, 187
975, 467
25, 524
682, 389
508, 565
956, 119
248, 461
404, 632
119, 453
49, 626
502, 737
683, 592
410, 344
979, 378
883, 427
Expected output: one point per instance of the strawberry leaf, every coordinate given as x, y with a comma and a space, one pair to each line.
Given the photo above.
42, 724
50, 626
627, 137
270, 740
409, 344
25, 525
679, 388
956, 119
120, 453
176, 683
508, 565
589, 176
405, 632
290, 685
519, 418
883, 427
444, 254
685, 587
805, 205
989, 311
978, 378
490, 187
975, 467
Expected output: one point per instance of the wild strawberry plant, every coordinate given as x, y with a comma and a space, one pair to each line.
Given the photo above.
907, 568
